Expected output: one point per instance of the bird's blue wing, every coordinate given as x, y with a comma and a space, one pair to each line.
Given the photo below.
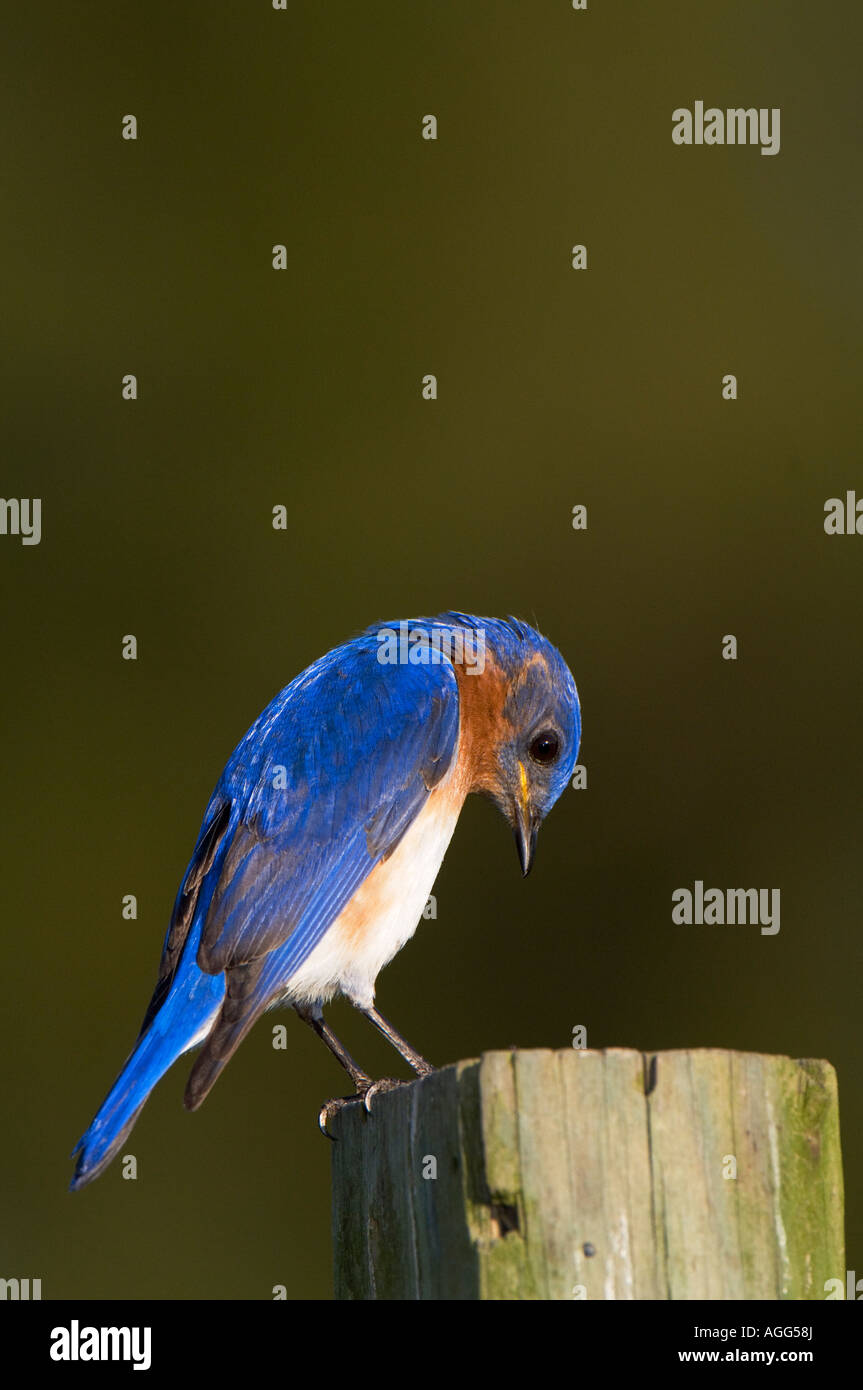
321, 789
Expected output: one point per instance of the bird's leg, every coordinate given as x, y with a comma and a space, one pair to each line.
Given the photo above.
363, 1082
411, 1056
366, 1088
402, 1046
309, 1015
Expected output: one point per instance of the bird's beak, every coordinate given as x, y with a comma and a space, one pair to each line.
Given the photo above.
525, 825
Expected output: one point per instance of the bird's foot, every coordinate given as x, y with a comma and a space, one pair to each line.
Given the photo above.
386, 1083
333, 1107
364, 1096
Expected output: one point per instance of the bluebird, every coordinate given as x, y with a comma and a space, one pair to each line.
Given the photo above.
324, 836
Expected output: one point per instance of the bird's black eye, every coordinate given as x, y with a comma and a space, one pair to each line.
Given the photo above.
545, 747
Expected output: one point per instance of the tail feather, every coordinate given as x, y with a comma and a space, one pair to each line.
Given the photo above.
155, 1052
119, 1110
96, 1151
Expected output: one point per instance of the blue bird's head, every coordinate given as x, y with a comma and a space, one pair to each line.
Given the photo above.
525, 717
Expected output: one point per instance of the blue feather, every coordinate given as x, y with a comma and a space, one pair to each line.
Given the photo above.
319, 791
360, 744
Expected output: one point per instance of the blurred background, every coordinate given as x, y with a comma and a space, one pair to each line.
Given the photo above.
303, 388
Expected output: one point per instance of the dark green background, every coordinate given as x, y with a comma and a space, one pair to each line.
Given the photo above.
303, 388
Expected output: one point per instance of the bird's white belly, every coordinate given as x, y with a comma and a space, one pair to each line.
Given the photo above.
384, 912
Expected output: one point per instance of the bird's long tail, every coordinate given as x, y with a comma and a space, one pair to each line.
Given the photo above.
155, 1051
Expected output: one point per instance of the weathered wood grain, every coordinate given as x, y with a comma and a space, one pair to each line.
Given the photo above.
577, 1174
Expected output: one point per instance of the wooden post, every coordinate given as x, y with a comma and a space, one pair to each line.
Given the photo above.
575, 1174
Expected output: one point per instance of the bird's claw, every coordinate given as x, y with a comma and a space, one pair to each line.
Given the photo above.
331, 1108
362, 1096
386, 1083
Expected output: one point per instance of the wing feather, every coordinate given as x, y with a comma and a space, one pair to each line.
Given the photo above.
323, 787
